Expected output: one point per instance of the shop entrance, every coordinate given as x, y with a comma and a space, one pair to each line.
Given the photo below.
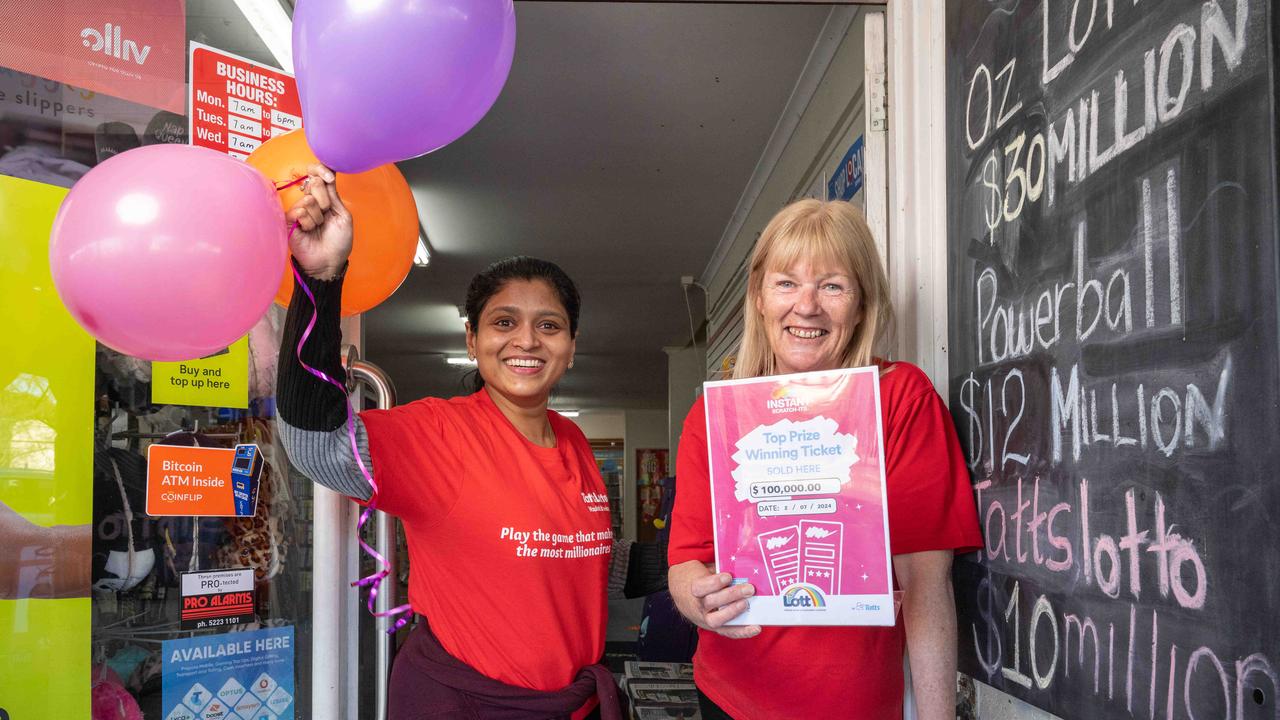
639, 145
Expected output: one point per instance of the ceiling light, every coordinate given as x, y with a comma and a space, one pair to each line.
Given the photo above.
568, 413
273, 25
460, 361
422, 256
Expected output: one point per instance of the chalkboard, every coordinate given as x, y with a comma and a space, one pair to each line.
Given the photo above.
1112, 255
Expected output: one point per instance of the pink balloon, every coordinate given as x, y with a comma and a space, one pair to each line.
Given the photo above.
169, 252
386, 81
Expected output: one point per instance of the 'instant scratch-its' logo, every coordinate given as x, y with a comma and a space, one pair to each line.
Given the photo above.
802, 596
781, 401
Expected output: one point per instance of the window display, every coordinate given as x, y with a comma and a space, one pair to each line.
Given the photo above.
96, 587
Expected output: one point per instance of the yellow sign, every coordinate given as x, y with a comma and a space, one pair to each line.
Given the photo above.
220, 380
46, 472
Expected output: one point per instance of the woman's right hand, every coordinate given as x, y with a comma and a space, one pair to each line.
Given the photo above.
321, 242
709, 599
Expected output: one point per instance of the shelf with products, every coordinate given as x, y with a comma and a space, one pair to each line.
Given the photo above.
611, 461
652, 465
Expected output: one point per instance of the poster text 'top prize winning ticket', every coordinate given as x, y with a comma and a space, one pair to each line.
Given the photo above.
798, 494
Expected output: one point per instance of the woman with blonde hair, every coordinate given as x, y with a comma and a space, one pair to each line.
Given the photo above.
818, 299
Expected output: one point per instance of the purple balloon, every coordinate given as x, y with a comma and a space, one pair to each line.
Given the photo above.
391, 80
169, 252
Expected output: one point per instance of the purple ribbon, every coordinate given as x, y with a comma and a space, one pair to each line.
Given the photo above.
374, 581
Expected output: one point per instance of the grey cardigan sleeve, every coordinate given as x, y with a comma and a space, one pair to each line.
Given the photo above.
326, 457
311, 414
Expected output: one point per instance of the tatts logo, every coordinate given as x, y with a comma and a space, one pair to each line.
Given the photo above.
802, 596
108, 42
780, 401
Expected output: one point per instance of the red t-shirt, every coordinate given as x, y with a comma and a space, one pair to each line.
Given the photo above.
509, 542
845, 672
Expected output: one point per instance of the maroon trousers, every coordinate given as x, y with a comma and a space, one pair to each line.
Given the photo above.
428, 682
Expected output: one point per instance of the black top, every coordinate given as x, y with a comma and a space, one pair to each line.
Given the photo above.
303, 400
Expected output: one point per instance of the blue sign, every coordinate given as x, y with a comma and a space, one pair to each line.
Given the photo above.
847, 180
234, 676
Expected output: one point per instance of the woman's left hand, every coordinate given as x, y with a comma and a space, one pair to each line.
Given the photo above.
929, 617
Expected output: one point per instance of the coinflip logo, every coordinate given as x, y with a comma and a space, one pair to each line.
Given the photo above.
802, 596
780, 401
109, 42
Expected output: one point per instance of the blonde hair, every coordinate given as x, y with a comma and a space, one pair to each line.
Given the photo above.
835, 234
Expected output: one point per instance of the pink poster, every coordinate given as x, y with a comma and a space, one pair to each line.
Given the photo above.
130, 49
798, 493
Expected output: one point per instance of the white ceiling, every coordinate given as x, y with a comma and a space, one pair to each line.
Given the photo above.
618, 149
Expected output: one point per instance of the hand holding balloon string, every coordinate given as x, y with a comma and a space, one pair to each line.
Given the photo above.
320, 238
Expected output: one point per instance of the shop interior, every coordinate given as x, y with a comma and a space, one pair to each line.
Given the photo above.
641, 146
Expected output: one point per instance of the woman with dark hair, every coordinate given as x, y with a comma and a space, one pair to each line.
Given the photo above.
503, 507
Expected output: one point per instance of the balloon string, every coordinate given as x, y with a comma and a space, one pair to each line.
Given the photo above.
374, 581
285, 185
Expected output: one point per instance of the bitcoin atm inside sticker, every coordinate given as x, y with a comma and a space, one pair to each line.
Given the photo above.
189, 481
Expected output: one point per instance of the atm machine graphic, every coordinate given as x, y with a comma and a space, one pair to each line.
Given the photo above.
245, 471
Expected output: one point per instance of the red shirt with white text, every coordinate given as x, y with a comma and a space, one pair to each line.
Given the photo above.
834, 672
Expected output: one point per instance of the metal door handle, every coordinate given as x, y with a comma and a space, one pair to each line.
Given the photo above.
360, 372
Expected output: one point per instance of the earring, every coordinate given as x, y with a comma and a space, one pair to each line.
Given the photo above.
570, 364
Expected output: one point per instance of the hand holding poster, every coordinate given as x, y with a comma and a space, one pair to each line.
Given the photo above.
798, 495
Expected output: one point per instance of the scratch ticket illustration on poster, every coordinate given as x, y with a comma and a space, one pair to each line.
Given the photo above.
798, 494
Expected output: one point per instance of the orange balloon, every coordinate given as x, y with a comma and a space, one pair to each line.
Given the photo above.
382, 209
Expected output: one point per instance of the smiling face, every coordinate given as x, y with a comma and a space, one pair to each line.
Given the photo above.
810, 312
522, 342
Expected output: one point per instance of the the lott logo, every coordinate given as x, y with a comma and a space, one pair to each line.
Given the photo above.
802, 596
110, 42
